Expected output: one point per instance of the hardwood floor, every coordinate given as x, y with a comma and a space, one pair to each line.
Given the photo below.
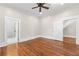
3, 51
69, 44
42, 47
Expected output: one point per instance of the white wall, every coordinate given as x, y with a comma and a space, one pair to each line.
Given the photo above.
29, 27
46, 27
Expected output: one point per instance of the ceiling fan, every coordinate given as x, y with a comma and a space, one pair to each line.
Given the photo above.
40, 6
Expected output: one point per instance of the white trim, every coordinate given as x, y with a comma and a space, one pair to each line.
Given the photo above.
51, 37
19, 22
29, 38
26, 39
22, 40
69, 36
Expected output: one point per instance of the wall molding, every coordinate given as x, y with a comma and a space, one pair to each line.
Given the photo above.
69, 36
2, 44
51, 37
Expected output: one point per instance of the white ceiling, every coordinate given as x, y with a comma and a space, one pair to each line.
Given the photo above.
54, 8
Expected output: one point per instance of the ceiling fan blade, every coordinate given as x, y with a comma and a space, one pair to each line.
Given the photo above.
37, 3
35, 7
42, 3
45, 7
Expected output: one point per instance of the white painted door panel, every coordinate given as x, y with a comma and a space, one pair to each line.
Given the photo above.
11, 30
58, 30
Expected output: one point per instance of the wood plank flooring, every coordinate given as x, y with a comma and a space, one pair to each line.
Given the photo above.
41, 47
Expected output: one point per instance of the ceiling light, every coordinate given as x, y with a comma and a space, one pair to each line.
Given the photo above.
61, 3
40, 13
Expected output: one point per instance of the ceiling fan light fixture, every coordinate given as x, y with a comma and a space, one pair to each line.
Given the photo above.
40, 13
40, 6
62, 3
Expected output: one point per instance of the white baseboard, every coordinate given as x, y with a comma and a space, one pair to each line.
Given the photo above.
69, 36
29, 38
21, 40
51, 37
26, 39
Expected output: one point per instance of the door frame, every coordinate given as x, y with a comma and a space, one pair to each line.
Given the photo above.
19, 23
70, 18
